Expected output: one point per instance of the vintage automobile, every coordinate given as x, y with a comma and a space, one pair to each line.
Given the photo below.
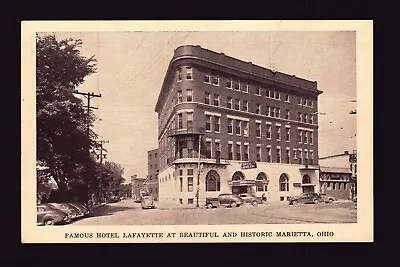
68, 208
306, 198
148, 202
48, 215
327, 198
249, 198
226, 200
81, 207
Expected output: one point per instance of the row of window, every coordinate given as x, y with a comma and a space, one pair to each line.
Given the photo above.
241, 86
336, 186
155, 155
151, 166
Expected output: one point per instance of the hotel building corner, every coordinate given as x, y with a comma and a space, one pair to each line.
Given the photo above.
229, 126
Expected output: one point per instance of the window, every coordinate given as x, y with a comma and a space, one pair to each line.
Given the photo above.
278, 133
258, 109
305, 139
189, 93
180, 201
300, 101
300, 157
155, 155
237, 104
230, 126
287, 134
189, 172
212, 181
267, 92
300, 116
245, 105
294, 154
180, 121
304, 102
258, 153
149, 156
305, 157
288, 155
287, 99
216, 80
190, 184
287, 116
310, 103
278, 113
208, 122
229, 84
245, 128
237, 86
269, 154
311, 158
260, 182
179, 96
258, 90
207, 78
258, 130
300, 136
208, 149
310, 119
188, 73
190, 152
217, 123
267, 110
246, 88
207, 98
238, 127
238, 152
217, 149
190, 201
179, 74
277, 95
246, 152
310, 137
278, 155
189, 116
230, 151
268, 131
283, 182
304, 117
272, 112
229, 102
216, 100
181, 184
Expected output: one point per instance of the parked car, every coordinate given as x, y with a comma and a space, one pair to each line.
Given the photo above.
48, 215
306, 198
81, 207
327, 198
114, 199
148, 202
68, 208
249, 198
227, 200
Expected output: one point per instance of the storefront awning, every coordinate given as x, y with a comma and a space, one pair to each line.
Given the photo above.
335, 170
307, 184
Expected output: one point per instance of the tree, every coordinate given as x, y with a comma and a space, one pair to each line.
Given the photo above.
62, 137
111, 178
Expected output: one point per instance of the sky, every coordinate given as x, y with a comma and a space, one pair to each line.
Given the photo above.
131, 66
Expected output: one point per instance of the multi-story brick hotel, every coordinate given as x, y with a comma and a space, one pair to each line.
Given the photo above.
258, 129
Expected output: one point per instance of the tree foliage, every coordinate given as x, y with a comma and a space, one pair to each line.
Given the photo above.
62, 137
111, 178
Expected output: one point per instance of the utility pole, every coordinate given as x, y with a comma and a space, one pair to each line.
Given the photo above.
88, 96
198, 175
101, 167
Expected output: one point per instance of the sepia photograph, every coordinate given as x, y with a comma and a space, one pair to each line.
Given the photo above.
184, 131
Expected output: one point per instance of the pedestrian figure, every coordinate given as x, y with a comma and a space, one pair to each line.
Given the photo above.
263, 197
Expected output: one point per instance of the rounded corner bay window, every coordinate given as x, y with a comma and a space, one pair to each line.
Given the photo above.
212, 181
283, 182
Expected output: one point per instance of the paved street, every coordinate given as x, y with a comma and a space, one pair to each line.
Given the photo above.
127, 212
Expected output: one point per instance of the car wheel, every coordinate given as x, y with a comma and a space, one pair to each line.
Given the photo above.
330, 200
233, 204
209, 206
294, 202
254, 203
49, 222
316, 201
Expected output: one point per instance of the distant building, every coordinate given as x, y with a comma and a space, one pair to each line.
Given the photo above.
138, 187
229, 126
151, 182
338, 175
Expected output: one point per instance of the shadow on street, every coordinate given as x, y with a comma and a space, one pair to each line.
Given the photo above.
108, 210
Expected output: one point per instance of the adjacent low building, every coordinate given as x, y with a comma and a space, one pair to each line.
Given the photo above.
138, 187
338, 175
229, 126
151, 183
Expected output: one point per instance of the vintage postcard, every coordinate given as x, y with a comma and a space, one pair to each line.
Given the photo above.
196, 131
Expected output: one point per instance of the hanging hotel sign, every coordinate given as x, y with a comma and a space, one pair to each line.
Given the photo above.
249, 165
